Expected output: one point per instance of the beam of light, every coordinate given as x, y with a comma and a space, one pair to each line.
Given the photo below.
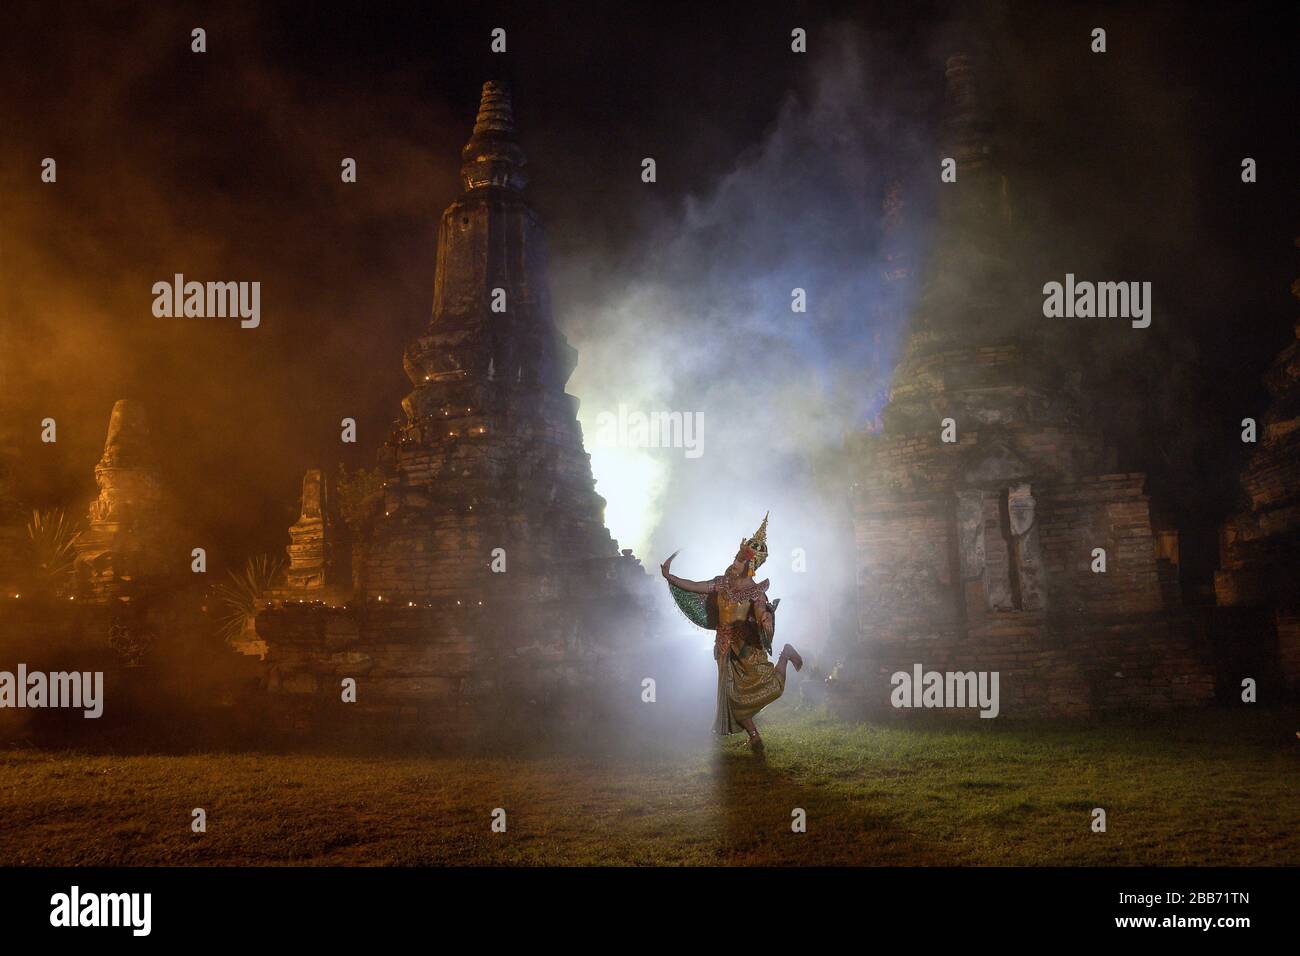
632, 482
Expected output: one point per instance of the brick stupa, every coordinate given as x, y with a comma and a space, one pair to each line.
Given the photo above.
1260, 546
976, 554
130, 543
490, 455
486, 593
12, 513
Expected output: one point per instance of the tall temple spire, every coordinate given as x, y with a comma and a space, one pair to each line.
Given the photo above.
967, 136
493, 157
965, 289
965, 122
486, 472
490, 454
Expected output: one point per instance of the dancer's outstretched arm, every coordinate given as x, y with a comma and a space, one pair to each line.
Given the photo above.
696, 587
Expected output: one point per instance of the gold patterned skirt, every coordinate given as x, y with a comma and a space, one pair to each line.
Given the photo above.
747, 682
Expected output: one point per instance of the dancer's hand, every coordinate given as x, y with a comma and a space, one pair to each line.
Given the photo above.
663, 568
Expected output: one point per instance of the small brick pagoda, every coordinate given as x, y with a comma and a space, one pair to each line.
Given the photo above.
318, 559
482, 575
1260, 547
130, 542
977, 554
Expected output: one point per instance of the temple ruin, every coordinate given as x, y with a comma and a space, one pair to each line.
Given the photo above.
491, 454
12, 537
129, 543
318, 557
481, 574
1260, 547
12, 512
981, 507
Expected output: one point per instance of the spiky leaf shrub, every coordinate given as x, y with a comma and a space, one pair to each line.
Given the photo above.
243, 595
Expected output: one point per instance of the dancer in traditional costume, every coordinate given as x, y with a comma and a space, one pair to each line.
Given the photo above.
736, 606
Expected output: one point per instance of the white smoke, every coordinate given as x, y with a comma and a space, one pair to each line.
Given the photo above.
698, 319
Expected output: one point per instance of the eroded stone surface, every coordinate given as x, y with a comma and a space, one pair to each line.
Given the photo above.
484, 580
130, 541
318, 557
490, 455
975, 555
1260, 547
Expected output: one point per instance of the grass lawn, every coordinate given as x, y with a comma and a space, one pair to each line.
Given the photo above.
1210, 787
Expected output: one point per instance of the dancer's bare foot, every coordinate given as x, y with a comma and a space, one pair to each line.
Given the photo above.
790, 654
756, 743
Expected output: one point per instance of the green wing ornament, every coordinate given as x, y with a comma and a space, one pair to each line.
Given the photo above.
694, 606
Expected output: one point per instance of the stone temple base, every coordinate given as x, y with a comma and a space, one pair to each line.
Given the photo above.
460, 671
1057, 669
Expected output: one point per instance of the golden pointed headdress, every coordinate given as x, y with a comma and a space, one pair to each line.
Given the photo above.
754, 550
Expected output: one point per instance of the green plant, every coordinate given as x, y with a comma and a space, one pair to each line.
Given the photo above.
244, 593
53, 538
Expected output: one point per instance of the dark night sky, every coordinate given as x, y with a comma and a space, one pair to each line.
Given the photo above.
225, 166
